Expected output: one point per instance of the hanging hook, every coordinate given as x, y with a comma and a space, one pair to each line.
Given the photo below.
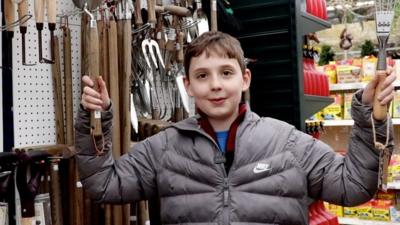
85, 9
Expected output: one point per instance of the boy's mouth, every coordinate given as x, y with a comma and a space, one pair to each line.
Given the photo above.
218, 101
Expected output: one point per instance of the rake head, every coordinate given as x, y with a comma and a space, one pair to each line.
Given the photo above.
384, 16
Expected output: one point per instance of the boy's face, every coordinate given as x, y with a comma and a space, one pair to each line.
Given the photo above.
217, 83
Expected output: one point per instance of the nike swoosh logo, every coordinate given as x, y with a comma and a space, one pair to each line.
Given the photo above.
260, 170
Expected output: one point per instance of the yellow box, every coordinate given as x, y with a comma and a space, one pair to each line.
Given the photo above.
364, 211
330, 71
334, 110
368, 67
348, 74
396, 104
381, 210
347, 106
335, 209
350, 212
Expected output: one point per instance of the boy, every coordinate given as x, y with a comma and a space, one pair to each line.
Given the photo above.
228, 165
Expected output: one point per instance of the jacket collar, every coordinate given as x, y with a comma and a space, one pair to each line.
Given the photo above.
206, 126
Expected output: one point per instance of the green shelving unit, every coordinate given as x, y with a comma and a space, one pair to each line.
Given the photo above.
273, 34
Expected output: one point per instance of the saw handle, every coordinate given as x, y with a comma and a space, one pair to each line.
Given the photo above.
93, 56
379, 111
9, 11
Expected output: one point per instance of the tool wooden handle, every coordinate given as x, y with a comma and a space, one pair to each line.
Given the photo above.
127, 70
58, 94
379, 111
138, 13
39, 11
213, 6
151, 12
55, 195
27, 221
69, 114
9, 11
93, 57
114, 86
51, 11
181, 36
23, 11
174, 10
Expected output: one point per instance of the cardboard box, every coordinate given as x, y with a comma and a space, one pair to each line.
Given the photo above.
350, 212
347, 106
334, 111
364, 211
368, 68
348, 74
381, 210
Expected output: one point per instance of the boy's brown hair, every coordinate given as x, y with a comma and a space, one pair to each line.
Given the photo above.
222, 44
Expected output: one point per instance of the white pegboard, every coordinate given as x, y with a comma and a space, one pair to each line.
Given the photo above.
34, 109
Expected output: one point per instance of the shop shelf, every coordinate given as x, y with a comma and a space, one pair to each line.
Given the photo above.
355, 221
330, 123
312, 23
394, 186
313, 104
355, 86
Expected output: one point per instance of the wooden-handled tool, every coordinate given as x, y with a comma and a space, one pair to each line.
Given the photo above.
39, 17
174, 10
9, 13
51, 16
55, 193
93, 57
383, 17
23, 27
214, 22
138, 14
151, 13
69, 117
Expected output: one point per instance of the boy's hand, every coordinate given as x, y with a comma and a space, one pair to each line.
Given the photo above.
386, 94
93, 100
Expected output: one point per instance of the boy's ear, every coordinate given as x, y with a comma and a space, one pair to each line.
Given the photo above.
246, 80
186, 82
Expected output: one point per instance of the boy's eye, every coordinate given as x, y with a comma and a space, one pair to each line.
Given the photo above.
227, 72
201, 76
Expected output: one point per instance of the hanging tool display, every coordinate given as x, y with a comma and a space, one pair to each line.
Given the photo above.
39, 17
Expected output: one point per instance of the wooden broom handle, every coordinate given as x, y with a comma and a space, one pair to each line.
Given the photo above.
22, 11
138, 13
9, 11
69, 114
379, 111
214, 22
93, 58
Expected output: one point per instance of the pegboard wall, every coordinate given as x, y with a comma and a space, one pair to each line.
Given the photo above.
34, 109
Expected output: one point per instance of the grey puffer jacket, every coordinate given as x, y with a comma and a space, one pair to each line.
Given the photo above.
276, 169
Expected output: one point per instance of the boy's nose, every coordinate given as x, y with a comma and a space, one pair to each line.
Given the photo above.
215, 83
